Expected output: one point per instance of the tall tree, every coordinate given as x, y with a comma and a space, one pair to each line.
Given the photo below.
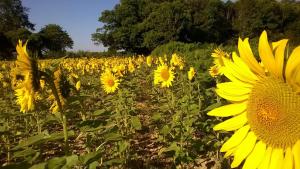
55, 38
13, 16
121, 30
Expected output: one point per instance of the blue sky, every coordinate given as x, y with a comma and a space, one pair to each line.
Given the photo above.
78, 17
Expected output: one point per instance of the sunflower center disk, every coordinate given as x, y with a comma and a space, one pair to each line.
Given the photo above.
110, 82
274, 112
165, 74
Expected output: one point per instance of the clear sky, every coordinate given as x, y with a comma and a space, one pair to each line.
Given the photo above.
78, 17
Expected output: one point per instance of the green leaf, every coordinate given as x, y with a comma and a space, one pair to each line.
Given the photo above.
32, 140
123, 146
172, 147
136, 123
99, 112
56, 163
113, 162
90, 157
94, 165
59, 135
24, 153
156, 116
165, 130
71, 161
39, 166
112, 137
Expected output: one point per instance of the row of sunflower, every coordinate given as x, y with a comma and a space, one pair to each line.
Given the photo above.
261, 101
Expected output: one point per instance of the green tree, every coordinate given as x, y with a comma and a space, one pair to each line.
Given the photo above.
168, 22
14, 25
211, 21
122, 29
19, 34
139, 26
13, 16
54, 38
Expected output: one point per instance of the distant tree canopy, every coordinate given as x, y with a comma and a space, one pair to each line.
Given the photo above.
13, 16
55, 38
139, 26
15, 25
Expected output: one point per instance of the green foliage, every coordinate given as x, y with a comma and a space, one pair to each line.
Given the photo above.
174, 47
141, 26
55, 38
15, 25
13, 16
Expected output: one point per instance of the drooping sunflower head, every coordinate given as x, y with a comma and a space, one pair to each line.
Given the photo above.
25, 64
265, 106
164, 75
25, 78
61, 83
109, 82
62, 86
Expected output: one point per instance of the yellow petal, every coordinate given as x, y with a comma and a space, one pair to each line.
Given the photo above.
265, 163
235, 139
230, 152
266, 54
239, 72
292, 64
232, 123
296, 153
244, 149
288, 159
229, 110
279, 57
240, 94
276, 159
234, 79
231, 87
248, 57
240, 63
256, 156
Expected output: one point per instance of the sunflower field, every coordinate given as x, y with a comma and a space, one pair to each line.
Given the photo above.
153, 111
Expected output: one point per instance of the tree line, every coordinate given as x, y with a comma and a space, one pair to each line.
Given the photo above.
14, 25
139, 26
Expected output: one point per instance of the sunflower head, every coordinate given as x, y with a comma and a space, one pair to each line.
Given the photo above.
25, 78
109, 82
62, 84
25, 63
214, 71
265, 106
177, 61
164, 75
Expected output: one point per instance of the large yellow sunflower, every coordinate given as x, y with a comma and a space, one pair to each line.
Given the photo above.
25, 78
265, 106
109, 82
164, 75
